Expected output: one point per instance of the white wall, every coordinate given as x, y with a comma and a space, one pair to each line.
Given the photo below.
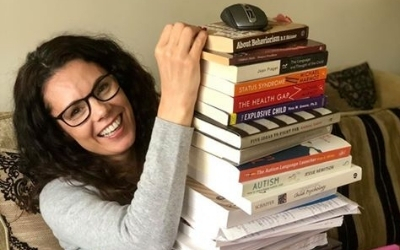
354, 30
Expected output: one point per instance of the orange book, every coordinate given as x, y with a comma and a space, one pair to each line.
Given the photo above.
262, 84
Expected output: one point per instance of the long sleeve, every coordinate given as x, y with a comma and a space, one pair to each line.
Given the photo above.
81, 220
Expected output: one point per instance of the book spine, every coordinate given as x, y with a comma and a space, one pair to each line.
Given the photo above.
279, 109
265, 69
270, 39
302, 62
276, 96
265, 55
280, 81
292, 164
287, 129
307, 189
262, 54
286, 178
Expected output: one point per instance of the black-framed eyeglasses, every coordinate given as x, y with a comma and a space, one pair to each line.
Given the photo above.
104, 89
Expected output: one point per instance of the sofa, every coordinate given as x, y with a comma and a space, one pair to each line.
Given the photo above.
373, 130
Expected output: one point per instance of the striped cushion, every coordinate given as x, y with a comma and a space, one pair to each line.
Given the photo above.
375, 140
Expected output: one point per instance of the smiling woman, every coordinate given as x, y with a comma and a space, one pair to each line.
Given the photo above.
90, 125
104, 89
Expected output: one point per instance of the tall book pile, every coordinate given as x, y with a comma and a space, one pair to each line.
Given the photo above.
264, 167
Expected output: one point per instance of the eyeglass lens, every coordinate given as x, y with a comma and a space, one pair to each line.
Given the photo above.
104, 90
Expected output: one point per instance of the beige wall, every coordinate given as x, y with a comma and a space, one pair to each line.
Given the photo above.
354, 30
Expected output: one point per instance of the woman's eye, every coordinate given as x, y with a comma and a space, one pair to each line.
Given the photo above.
75, 112
102, 88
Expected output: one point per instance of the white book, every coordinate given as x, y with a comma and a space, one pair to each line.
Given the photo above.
203, 204
301, 242
300, 218
316, 150
242, 73
240, 156
267, 183
197, 242
248, 134
276, 197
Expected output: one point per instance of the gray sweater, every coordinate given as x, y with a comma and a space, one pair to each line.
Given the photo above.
82, 220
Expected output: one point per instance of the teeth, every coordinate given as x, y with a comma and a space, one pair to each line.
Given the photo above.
107, 131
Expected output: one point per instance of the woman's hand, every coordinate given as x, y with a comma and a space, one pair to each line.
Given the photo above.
178, 54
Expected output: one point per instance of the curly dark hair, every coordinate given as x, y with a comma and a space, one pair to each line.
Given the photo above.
46, 151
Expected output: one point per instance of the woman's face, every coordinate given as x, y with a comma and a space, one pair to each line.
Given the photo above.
110, 128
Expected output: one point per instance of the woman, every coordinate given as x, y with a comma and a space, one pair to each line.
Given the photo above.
107, 157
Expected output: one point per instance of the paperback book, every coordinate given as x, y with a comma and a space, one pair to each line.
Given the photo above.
285, 222
316, 150
188, 238
241, 156
265, 184
223, 38
262, 84
240, 73
258, 131
287, 49
225, 118
287, 194
205, 205
261, 99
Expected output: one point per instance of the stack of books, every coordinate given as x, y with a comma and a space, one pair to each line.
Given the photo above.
264, 166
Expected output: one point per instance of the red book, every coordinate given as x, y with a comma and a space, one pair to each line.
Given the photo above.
261, 99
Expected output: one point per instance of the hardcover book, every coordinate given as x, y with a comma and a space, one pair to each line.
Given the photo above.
225, 118
261, 99
276, 197
276, 67
241, 156
223, 38
287, 49
258, 131
319, 149
262, 84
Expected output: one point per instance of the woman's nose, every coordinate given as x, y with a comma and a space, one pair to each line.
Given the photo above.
99, 109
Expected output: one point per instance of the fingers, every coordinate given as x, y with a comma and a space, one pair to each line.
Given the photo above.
180, 37
198, 43
164, 37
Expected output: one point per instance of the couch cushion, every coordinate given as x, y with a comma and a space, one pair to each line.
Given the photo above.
375, 140
355, 85
25, 231
387, 87
7, 138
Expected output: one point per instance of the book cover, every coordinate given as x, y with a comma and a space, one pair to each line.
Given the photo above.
223, 38
241, 156
313, 151
205, 205
293, 48
276, 197
265, 184
262, 84
225, 118
261, 99
257, 131
240, 73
